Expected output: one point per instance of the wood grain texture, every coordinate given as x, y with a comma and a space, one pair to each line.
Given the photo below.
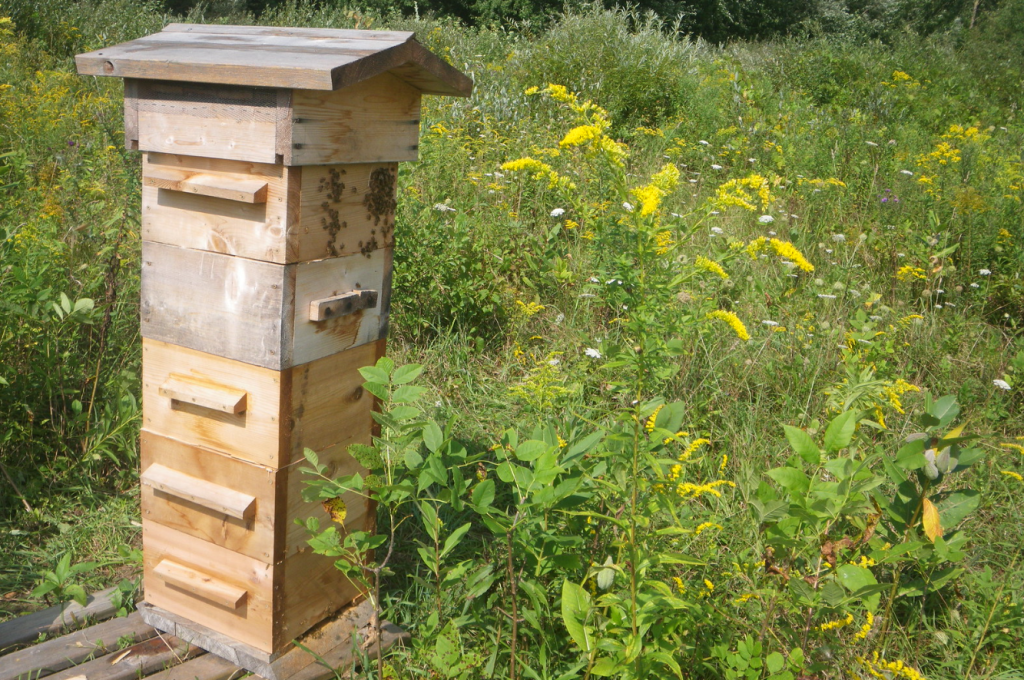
256, 231
56, 619
251, 623
229, 306
139, 660
216, 499
316, 59
72, 649
256, 312
199, 584
315, 405
271, 534
283, 601
228, 138
205, 667
216, 186
371, 121
262, 434
131, 114
199, 392
344, 210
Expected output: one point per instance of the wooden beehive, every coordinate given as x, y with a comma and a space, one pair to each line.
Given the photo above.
270, 162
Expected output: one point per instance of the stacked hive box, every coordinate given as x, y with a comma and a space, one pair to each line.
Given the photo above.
269, 177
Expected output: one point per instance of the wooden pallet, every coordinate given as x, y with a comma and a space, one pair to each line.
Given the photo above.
128, 648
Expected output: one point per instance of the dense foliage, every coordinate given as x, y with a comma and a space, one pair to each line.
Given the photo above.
706, 362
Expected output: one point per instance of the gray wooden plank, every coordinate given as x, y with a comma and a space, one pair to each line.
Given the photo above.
205, 667
56, 619
398, 36
155, 654
312, 59
55, 655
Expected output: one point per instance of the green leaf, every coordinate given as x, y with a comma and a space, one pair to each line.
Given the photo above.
377, 389
385, 364
374, 374
483, 493
911, 456
604, 667
854, 577
407, 394
945, 409
775, 662
311, 456
957, 505
531, 450
575, 609
454, 538
432, 436
413, 459
76, 593
840, 431
791, 479
406, 374
803, 444
83, 305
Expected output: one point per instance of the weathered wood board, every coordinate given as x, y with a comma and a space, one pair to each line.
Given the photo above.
258, 312
56, 619
271, 534
308, 213
372, 121
143, 658
270, 56
315, 405
279, 602
74, 648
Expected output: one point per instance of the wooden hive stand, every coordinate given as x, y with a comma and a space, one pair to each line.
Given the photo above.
269, 174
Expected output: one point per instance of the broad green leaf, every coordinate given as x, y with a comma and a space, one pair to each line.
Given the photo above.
432, 436
840, 431
311, 456
413, 459
407, 394
604, 667
531, 450
945, 409
575, 609
854, 577
406, 374
775, 662
374, 375
483, 493
911, 456
791, 479
803, 444
454, 538
957, 505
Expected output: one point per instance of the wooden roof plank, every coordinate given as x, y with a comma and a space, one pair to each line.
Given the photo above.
56, 619
398, 36
292, 58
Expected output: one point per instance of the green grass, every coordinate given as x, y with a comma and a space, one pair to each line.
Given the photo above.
69, 215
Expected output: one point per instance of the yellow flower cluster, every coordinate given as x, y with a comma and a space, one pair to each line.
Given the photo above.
821, 183
1013, 475
689, 490
735, 193
900, 78
909, 273
663, 242
897, 389
705, 526
540, 170
662, 184
971, 134
879, 668
838, 623
1014, 447
580, 135
869, 622
649, 426
783, 249
733, 322
529, 309
693, 447
707, 265
944, 154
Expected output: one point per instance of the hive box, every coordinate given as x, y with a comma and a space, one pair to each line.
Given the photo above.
269, 190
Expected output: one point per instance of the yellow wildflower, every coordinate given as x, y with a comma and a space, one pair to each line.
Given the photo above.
733, 321
688, 489
680, 586
725, 461
1014, 447
869, 622
709, 585
663, 242
653, 419
908, 273
878, 667
693, 448
708, 265
704, 527
579, 136
529, 309
1014, 475
787, 250
662, 184
838, 623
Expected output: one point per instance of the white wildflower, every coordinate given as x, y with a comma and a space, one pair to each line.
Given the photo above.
558, 212
717, 230
716, 167
628, 206
769, 322
826, 296
908, 173
443, 207
592, 353
765, 219
974, 285
870, 143
704, 142
838, 238
1001, 384
985, 272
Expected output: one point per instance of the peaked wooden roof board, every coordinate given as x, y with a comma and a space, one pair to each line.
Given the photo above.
266, 56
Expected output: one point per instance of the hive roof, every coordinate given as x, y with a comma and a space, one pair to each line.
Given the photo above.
267, 56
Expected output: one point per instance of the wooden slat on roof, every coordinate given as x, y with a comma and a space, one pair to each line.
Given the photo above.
264, 56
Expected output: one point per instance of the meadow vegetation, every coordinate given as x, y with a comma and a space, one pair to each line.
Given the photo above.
705, 361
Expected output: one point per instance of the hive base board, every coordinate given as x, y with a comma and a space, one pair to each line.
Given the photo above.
335, 634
